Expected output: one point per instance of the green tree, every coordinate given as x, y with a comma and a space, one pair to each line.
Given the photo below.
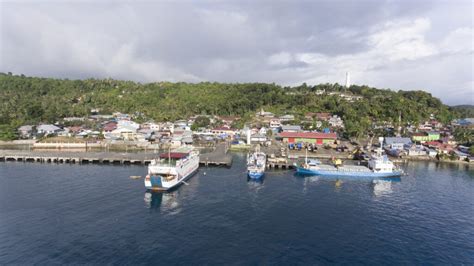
8, 132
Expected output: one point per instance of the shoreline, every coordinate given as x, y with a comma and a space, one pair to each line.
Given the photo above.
142, 157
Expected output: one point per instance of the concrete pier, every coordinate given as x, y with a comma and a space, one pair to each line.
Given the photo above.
217, 157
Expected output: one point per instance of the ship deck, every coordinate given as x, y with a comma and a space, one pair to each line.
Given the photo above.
345, 168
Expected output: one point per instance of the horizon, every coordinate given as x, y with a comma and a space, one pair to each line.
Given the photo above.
401, 45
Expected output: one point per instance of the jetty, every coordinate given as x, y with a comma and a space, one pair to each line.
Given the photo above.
217, 157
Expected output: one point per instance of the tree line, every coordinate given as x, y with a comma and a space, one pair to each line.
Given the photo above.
31, 100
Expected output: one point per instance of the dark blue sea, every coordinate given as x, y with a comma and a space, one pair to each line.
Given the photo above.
96, 214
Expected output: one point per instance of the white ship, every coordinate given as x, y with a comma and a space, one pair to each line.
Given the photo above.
172, 168
256, 163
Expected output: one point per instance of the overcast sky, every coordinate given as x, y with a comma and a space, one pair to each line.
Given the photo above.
387, 44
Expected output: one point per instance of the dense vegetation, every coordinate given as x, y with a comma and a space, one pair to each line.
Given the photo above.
27, 100
464, 110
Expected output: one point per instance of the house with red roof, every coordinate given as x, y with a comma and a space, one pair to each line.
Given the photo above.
110, 126
323, 116
224, 131
309, 137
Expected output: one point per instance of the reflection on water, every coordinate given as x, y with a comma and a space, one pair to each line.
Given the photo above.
255, 184
153, 200
382, 187
165, 201
338, 185
308, 181
258, 181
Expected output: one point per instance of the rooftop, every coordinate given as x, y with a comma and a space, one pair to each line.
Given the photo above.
308, 135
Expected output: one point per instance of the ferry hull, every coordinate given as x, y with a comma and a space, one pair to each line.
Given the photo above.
304, 171
156, 184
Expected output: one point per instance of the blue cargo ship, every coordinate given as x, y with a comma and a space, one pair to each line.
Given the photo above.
378, 166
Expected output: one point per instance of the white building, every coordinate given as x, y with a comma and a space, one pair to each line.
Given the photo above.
336, 121
275, 123
128, 124
258, 138
287, 118
25, 131
48, 129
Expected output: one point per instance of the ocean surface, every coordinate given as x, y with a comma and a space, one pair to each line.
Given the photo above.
96, 214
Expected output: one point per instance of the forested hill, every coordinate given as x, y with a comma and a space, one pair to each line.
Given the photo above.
464, 110
32, 100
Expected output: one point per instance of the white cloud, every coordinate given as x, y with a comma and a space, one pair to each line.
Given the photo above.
282, 58
403, 40
400, 57
459, 41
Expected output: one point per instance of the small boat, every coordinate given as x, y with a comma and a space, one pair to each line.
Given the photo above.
379, 166
172, 169
256, 163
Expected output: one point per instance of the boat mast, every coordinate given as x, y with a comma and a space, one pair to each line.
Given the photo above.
306, 157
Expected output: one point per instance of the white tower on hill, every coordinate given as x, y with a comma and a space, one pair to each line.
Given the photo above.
348, 80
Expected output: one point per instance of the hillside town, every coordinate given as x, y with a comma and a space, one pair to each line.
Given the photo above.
320, 133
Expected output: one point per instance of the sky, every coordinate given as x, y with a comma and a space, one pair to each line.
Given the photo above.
402, 44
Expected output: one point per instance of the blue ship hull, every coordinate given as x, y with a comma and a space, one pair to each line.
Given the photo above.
303, 171
255, 175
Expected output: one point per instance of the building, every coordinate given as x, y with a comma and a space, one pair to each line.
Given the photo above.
336, 121
228, 120
187, 137
309, 116
287, 118
181, 124
110, 126
309, 137
128, 124
397, 143
101, 117
25, 131
150, 125
48, 129
258, 138
223, 131
416, 150
74, 119
290, 128
275, 123
265, 114
125, 132
350, 97
426, 136
461, 155
323, 116
465, 122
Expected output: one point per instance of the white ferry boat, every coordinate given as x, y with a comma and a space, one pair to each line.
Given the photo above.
172, 169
